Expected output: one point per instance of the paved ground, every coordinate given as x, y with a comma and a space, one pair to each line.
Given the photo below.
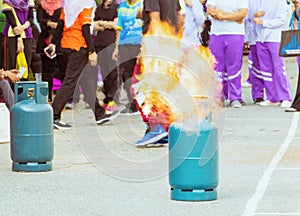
99, 171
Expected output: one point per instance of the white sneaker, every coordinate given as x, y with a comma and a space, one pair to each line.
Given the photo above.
100, 84
236, 104
292, 109
268, 103
286, 104
70, 105
59, 124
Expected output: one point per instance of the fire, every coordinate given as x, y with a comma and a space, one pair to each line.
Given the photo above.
174, 83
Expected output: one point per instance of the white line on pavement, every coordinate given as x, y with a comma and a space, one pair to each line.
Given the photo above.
288, 168
264, 181
282, 214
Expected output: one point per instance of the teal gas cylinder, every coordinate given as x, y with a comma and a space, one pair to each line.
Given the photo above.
31, 128
193, 163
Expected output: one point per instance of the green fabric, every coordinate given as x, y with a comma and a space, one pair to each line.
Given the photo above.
2, 21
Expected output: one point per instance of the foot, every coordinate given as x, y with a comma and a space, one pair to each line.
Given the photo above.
86, 105
70, 105
268, 103
258, 100
153, 136
292, 109
162, 141
129, 112
59, 124
107, 116
236, 104
286, 104
111, 106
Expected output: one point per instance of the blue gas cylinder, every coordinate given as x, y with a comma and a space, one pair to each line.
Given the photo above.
31, 128
193, 163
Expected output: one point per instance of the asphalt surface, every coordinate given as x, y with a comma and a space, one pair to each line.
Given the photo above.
97, 170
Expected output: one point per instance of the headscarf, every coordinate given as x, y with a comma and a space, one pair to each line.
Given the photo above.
22, 5
51, 5
73, 8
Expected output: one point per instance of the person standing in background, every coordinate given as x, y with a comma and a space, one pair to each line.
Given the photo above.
105, 23
18, 31
270, 21
127, 46
227, 44
157, 11
77, 44
257, 80
48, 13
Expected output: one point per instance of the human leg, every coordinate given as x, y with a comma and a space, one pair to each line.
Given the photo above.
296, 102
10, 53
234, 45
217, 48
75, 65
48, 68
281, 83
130, 52
266, 70
88, 82
257, 79
109, 73
28, 51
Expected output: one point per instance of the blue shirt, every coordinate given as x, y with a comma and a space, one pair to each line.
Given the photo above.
130, 27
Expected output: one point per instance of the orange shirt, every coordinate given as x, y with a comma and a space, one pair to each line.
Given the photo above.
72, 36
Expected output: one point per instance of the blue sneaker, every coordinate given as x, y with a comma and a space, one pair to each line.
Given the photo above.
164, 140
153, 136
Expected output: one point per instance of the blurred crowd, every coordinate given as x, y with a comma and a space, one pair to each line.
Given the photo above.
86, 44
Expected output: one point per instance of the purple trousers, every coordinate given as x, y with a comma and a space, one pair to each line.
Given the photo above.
272, 70
257, 76
228, 51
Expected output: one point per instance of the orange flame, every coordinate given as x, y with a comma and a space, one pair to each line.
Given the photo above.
172, 77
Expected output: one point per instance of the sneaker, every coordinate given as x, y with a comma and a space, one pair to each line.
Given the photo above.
59, 124
70, 105
236, 104
268, 103
292, 109
111, 106
243, 103
164, 140
129, 112
107, 116
86, 105
156, 133
100, 84
258, 100
246, 84
224, 103
286, 104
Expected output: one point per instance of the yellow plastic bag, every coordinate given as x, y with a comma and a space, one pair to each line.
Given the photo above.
21, 65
